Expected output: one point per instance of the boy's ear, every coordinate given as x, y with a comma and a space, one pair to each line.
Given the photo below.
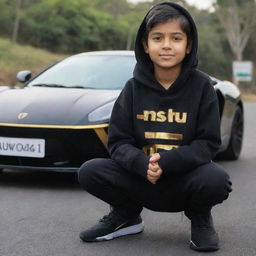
145, 46
189, 47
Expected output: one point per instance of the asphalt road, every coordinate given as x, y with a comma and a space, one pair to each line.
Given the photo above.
41, 214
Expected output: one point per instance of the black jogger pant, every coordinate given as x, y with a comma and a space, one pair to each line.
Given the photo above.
197, 191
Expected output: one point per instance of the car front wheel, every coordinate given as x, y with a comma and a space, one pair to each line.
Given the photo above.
236, 139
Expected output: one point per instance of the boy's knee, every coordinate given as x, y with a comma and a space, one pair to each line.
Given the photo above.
88, 171
215, 181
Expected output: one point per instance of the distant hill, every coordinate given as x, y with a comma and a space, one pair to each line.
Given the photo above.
15, 57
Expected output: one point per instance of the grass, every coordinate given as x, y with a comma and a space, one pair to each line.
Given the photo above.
15, 57
248, 97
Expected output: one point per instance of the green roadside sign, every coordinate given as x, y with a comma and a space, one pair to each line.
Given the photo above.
242, 70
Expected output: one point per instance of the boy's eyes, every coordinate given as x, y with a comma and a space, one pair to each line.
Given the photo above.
174, 38
156, 38
177, 38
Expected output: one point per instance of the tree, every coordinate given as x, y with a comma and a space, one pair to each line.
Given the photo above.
239, 21
214, 53
115, 8
71, 26
6, 17
16, 21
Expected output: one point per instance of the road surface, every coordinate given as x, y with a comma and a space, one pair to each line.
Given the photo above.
42, 214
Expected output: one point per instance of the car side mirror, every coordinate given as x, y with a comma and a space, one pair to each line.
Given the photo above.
24, 76
214, 82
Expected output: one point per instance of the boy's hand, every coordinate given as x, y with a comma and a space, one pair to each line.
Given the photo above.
154, 170
154, 158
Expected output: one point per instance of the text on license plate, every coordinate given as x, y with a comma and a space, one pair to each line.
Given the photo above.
22, 147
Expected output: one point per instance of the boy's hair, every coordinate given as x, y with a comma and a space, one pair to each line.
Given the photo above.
163, 13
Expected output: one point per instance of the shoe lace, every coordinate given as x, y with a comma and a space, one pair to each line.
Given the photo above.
111, 217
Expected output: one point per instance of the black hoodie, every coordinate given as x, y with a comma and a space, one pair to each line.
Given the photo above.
181, 124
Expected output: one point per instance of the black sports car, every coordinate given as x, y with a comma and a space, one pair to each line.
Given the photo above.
59, 118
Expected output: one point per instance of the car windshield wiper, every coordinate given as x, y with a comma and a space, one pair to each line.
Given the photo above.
63, 86
94, 88
81, 87
50, 85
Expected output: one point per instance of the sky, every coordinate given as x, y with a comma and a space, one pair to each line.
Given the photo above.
201, 4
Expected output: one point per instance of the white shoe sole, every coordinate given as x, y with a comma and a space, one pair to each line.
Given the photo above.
123, 232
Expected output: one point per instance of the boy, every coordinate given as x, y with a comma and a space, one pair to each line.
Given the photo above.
163, 134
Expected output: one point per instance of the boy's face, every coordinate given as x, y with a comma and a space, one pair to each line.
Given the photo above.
167, 45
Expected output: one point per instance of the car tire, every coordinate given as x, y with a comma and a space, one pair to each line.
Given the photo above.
236, 139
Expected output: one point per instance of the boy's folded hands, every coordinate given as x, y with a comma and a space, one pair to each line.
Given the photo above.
154, 171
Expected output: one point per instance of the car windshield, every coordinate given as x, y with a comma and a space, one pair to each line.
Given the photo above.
88, 71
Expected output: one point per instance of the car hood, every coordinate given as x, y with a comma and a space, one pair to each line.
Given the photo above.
52, 106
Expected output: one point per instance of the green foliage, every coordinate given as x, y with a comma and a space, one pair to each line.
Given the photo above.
131, 22
70, 26
240, 3
6, 17
115, 8
212, 57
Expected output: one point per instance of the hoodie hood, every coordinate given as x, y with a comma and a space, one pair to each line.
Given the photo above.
144, 71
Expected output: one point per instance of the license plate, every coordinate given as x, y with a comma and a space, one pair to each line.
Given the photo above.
22, 147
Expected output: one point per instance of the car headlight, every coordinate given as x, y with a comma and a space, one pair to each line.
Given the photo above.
102, 113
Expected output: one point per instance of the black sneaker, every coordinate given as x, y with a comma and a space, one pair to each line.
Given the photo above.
203, 235
112, 226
